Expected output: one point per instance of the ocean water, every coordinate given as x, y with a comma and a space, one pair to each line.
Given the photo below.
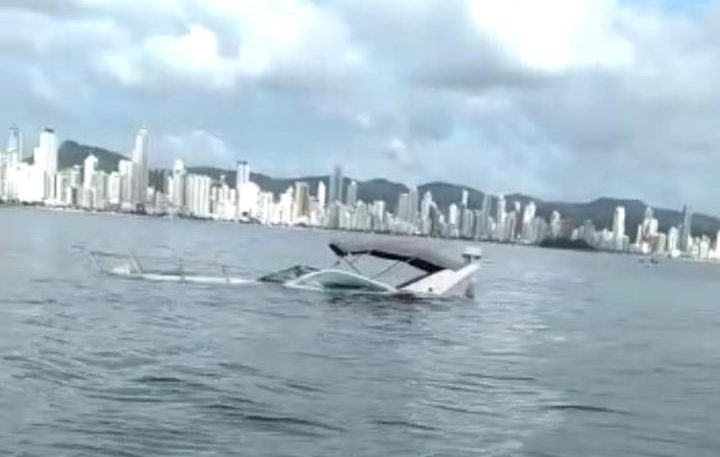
559, 353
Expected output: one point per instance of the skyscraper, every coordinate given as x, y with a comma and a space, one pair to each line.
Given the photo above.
14, 148
127, 172
336, 186
673, 241
527, 222
686, 229
352, 194
49, 147
322, 195
178, 185
302, 201
243, 174
555, 224
500, 219
403, 207
619, 228
501, 213
413, 206
425, 205
45, 161
89, 166
484, 221
9, 161
197, 195
140, 163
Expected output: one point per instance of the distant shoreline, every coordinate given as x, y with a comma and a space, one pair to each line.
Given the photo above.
558, 245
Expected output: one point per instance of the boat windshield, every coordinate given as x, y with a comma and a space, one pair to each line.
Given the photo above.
288, 274
341, 281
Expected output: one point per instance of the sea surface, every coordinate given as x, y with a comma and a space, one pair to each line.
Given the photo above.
559, 354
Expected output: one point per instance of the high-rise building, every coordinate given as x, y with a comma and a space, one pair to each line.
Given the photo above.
243, 174
336, 186
322, 195
619, 228
501, 212
126, 168
352, 194
686, 229
378, 215
453, 215
302, 201
467, 222
14, 145
425, 206
89, 166
413, 200
527, 222
511, 224
464, 198
113, 188
555, 224
673, 241
140, 163
178, 185
9, 161
49, 147
484, 221
403, 207
197, 195
45, 161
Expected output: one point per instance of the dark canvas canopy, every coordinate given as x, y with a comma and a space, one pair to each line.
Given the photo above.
414, 253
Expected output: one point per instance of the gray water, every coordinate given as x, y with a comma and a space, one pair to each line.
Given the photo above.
560, 353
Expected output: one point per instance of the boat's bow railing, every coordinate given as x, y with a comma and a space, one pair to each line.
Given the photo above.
133, 265
110, 263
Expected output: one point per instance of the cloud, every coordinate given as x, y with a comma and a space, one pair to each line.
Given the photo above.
197, 147
563, 98
287, 45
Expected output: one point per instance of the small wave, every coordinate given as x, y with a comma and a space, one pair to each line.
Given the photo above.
235, 366
172, 381
93, 450
587, 408
158, 379
455, 409
290, 424
126, 398
405, 424
456, 388
303, 387
231, 404
28, 301
500, 377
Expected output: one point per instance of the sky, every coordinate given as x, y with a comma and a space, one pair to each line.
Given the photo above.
561, 99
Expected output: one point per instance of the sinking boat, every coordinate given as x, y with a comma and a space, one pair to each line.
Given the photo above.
435, 273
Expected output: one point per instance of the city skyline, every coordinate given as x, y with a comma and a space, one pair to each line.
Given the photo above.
185, 193
225, 168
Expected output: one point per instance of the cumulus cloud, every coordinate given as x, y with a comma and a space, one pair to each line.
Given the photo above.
563, 98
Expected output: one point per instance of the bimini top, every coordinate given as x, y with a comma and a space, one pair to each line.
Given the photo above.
416, 254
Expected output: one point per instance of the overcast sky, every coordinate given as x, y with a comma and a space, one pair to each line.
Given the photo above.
568, 99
